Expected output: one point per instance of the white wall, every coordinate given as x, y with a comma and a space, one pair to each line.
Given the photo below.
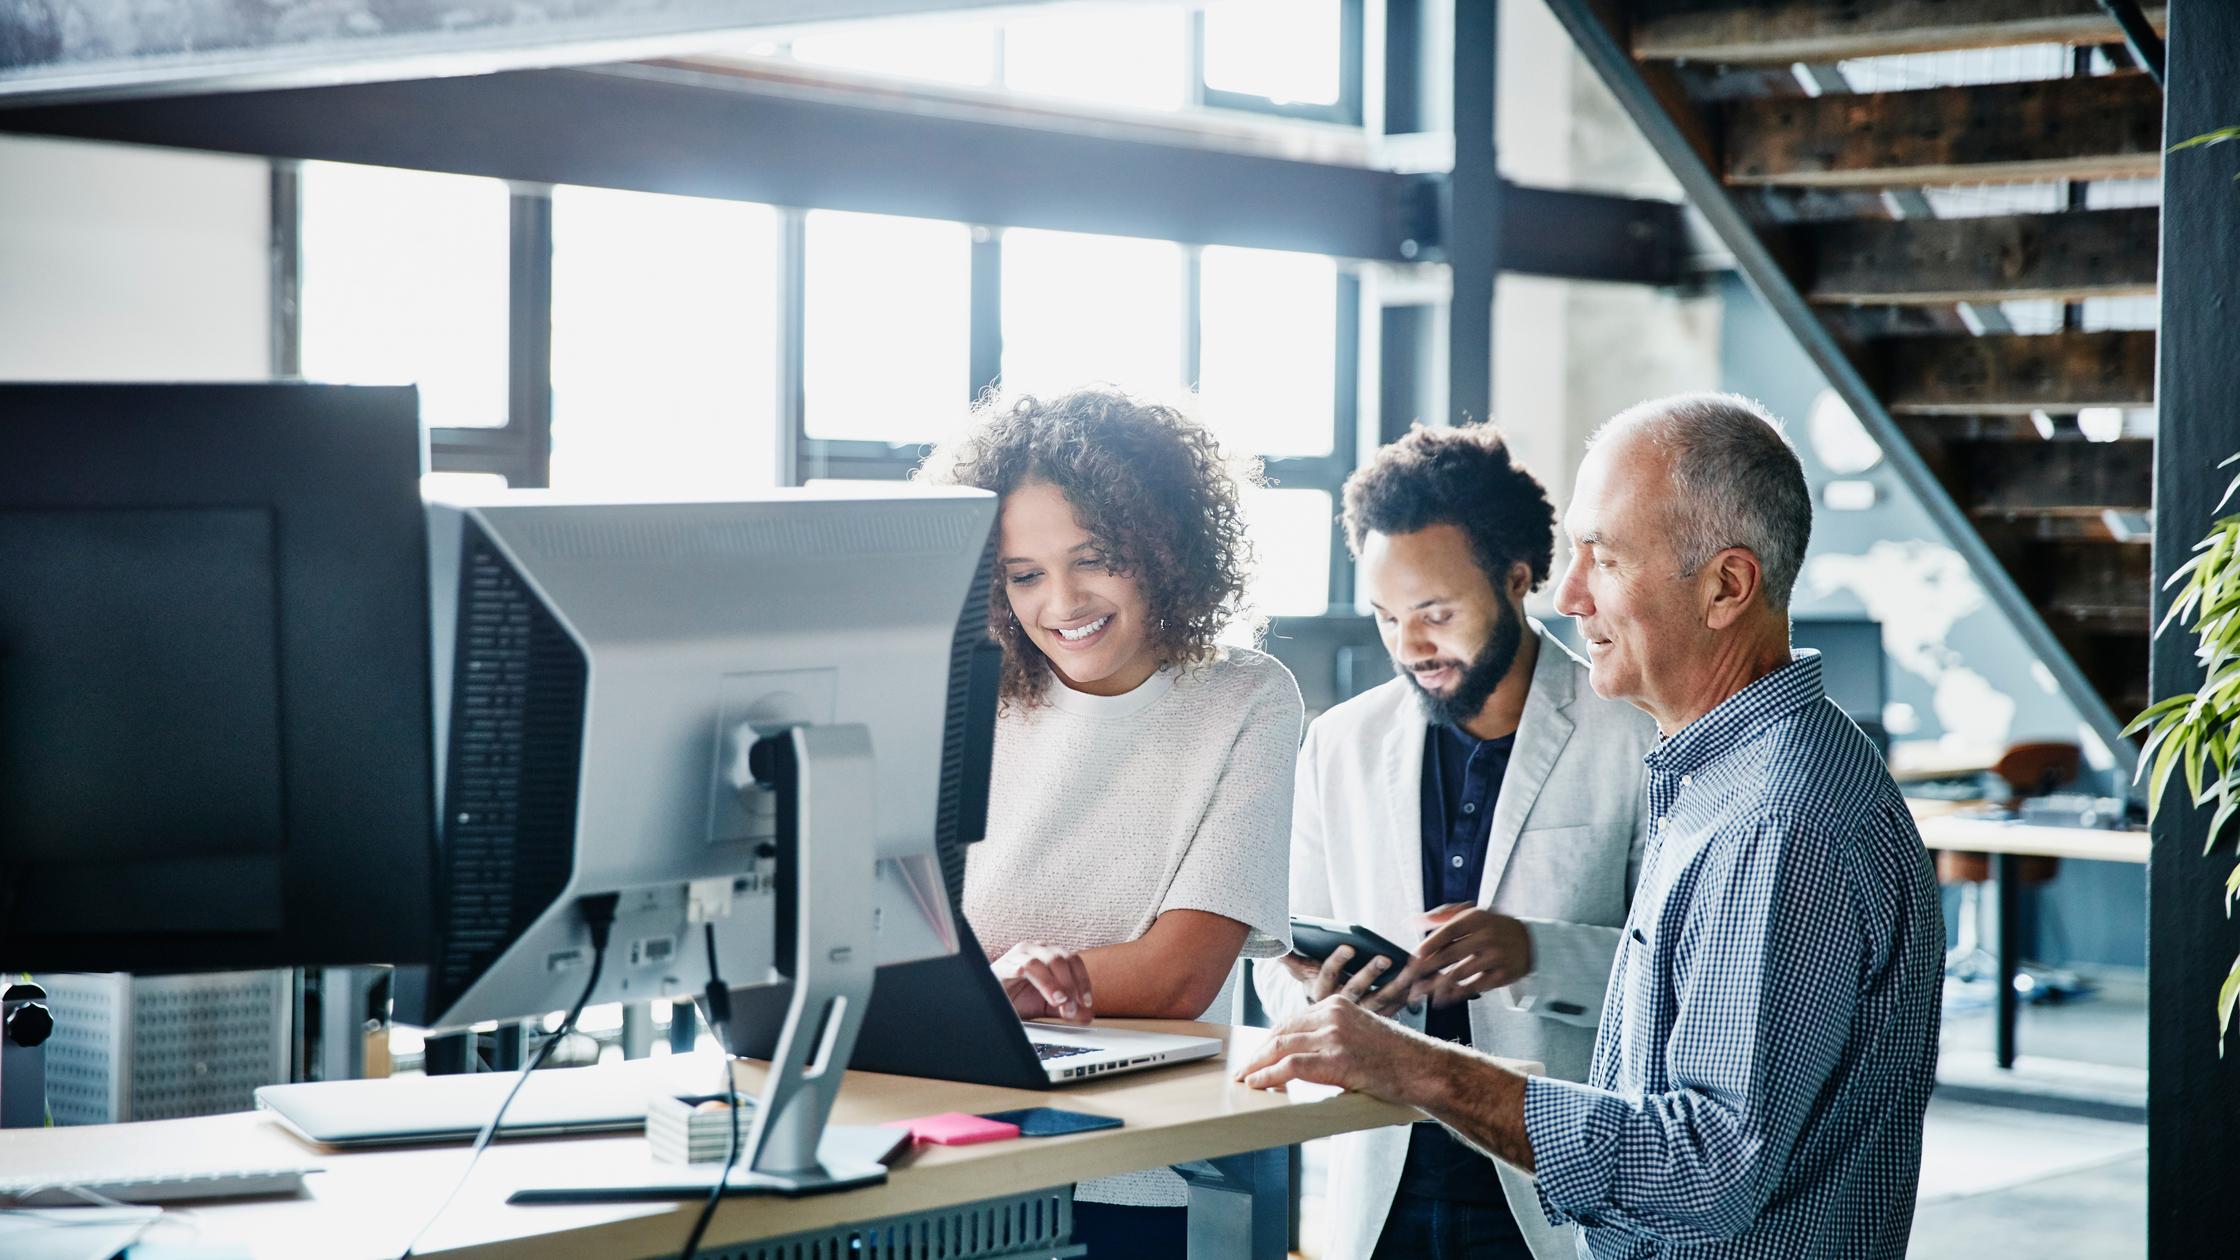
127, 263
1569, 354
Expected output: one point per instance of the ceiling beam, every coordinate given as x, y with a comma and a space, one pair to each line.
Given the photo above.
677, 130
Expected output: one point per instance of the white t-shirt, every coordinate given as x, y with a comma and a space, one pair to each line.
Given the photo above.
1105, 812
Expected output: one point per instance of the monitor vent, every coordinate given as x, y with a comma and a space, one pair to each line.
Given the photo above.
591, 535
516, 744
962, 814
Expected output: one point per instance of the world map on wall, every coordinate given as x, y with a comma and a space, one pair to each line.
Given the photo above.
1918, 591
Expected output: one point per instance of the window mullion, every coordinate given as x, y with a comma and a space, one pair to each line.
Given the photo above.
793, 444
529, 337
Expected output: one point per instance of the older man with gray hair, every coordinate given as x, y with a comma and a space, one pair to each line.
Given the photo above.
1769, 1038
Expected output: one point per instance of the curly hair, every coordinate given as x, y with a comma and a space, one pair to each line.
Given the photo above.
1147, 482
1463, 477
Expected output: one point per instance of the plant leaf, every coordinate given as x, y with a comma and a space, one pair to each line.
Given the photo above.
2194, 757
2219, 136
2165, 761
2155, 710
2231, 889
2227, 805
2226, 996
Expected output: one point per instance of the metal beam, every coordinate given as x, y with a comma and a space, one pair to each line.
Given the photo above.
2139, 35
1664, 132
2193, 1111
1592, 236
682, 131
53, 50
659, 129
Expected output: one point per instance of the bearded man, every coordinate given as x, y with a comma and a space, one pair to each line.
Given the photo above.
1484, 807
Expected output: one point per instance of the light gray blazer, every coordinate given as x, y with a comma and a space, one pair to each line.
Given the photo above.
1562, 857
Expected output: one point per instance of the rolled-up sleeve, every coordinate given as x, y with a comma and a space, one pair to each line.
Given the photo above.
1763, 975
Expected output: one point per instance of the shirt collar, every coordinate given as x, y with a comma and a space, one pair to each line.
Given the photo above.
1738, 717
1125, 705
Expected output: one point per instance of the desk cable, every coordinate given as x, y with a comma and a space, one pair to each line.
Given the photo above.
718, 999
598, 915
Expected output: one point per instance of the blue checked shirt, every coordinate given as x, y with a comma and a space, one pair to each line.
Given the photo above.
1770, 1034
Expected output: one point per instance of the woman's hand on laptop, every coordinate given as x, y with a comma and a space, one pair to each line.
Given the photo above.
1046, 982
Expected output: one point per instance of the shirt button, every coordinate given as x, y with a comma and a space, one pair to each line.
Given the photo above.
1662, 823
1455, 861
1469, 807
1686, 779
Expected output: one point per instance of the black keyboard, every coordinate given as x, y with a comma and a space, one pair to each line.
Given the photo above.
1046, 1051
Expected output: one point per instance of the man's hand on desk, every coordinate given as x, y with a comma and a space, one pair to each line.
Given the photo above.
1339, 1042
1046, 982
1470, 950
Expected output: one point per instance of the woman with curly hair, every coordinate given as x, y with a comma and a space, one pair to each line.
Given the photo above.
1139, 808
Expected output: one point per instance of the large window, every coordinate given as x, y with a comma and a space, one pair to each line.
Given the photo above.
1079, 310
887, 330
404, 281
1299, 58
1269, 349
664, 344
628, 344
1290, 52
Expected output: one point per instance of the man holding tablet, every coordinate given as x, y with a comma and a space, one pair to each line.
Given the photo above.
1484, 808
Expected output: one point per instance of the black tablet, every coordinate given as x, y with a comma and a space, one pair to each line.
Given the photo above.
1319, 938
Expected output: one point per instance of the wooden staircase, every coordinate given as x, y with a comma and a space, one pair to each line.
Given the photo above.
1934, 201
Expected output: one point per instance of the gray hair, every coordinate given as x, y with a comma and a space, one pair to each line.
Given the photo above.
1736, 482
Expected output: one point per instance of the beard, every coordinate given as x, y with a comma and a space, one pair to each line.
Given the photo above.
1478, 677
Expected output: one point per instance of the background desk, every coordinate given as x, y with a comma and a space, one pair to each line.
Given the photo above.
1949, 825
367, 1203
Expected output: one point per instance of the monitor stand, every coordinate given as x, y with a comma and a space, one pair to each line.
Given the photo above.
825, 783
826, 786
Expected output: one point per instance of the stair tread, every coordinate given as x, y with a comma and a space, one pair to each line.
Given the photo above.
2099, 127
1816, 31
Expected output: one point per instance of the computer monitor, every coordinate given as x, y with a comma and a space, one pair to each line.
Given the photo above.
228, 716
603, 673
214, 706
1852, 668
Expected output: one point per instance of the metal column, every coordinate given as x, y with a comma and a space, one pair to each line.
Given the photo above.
1471, 227
2193, 1109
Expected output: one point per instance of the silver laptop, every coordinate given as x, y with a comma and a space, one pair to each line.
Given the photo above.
1069, 1053
610, 1097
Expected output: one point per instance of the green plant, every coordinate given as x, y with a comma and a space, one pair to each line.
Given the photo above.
2219, 136
2199, 733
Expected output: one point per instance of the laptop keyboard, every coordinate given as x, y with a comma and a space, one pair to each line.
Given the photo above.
1047, 1051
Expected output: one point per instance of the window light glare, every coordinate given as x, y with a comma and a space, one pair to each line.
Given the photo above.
1284, 50
2101, 424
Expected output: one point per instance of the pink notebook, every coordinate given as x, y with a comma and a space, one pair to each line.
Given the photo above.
955, 1128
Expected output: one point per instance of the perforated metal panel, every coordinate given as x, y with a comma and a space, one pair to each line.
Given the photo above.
164, 1047
1033, 1226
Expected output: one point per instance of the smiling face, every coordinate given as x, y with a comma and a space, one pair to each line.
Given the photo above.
1643, 623
1092, 624
1449, 630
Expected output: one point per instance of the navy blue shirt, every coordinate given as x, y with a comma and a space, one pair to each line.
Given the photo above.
1461, 784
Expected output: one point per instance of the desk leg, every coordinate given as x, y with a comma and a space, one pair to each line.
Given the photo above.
1239, 1205
2003, 867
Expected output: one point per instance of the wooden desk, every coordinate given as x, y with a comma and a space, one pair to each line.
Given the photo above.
368, 1203
1957, 825
1953, 825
